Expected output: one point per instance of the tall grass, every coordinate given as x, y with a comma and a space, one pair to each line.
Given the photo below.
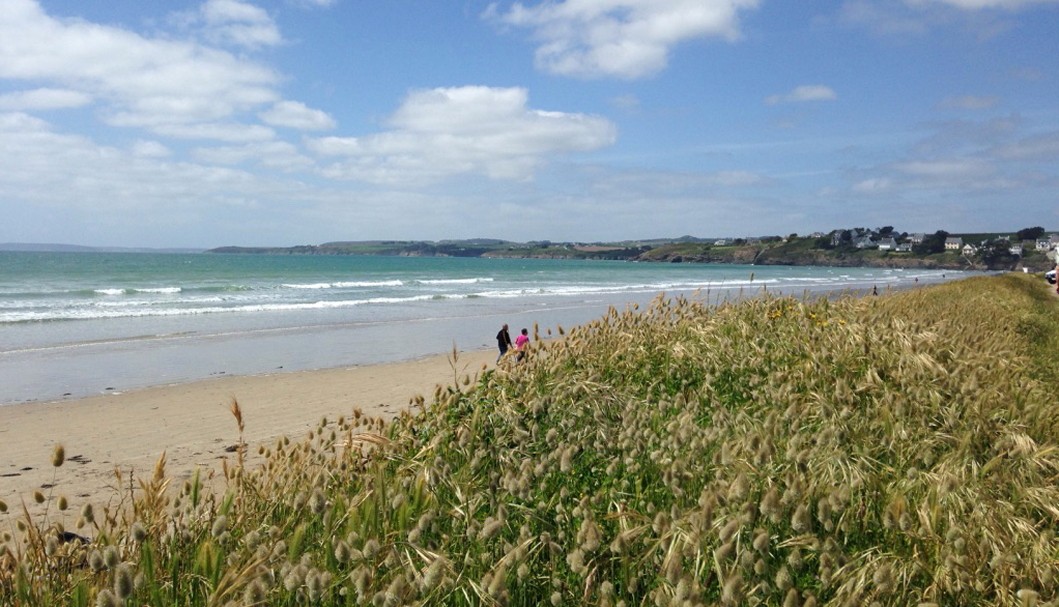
893, 450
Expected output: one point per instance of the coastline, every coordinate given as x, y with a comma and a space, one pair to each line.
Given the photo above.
191, 423
307, 318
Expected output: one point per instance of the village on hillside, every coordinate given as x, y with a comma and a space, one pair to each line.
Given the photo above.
1028, 249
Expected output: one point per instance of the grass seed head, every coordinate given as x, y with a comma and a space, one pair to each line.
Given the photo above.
729, 530
761, 541
220, 525
725, 551
255, 593
1028, 597
800, 520
770, 505
123, 581
111, 558
342, 552
139, 532
314, 583
58, 456
576, 560
794, 559
883, 578
95, 561
732, 591
106, 598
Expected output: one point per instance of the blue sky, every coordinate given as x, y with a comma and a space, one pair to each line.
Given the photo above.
229, 122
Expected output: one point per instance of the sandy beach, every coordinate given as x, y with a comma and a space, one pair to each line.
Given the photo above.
192, 424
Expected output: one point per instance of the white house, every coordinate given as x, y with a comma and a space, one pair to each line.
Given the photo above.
953, 243
887, 244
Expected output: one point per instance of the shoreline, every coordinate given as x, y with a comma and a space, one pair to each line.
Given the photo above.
192, 425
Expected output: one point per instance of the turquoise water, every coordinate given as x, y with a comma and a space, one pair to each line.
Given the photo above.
75, 324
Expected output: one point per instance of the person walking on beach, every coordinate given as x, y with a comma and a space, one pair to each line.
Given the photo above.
503, 342
1056, 253
1057, 272
520, 344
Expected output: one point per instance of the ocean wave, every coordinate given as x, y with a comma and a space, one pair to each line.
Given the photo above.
101, 312
161, 301
344, 284
134, 291
454, 281
220, 288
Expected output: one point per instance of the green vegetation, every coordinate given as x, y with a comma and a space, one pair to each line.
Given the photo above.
459, 248
891, 450
852, 247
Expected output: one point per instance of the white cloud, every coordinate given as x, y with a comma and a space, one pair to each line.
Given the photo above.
313, 3
278, 155
447, 131
221, 131
237, 23
808, 92
150, 149
887, 18
874, 185
969, 102
1043, 147
918, 17
19, 122
141, 188
946, 170
622, 38
44, 99
157, 84
973, 5
626, 102
981, 164
1027, 74
732, 179
296, 115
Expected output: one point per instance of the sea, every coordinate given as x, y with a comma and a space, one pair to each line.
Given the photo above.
87, 323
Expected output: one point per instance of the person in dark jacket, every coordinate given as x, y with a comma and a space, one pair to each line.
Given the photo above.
503, 341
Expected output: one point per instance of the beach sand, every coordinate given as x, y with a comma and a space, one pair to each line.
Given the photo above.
193, 425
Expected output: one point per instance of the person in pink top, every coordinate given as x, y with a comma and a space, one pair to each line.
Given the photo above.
520, 343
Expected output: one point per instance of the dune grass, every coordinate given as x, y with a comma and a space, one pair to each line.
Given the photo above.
892, 450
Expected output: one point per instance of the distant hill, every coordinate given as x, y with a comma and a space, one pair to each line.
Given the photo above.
43, 247
820, 250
